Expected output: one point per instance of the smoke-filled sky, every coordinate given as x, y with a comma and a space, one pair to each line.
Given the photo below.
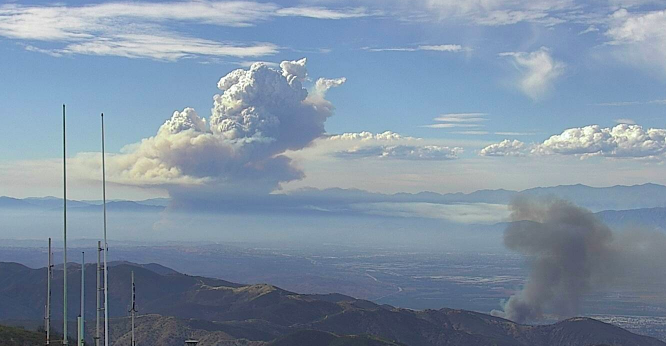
386, 96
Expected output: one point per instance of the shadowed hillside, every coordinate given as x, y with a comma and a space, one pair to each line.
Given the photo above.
312, 337
13, 336
218, 312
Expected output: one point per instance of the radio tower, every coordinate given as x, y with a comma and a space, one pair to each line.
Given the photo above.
64, 209
82, 315
98, 292
47, 315
106, 247
133, 310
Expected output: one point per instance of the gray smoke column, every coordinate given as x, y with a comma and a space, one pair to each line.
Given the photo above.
571, 252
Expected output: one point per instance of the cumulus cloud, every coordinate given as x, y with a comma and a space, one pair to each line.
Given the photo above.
260, 113
403, 152
539, 71
640, 38
146, 29
505, 148
368, 136
623, 140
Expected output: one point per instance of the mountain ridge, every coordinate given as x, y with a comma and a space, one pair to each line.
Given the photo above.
182, 305
617, 197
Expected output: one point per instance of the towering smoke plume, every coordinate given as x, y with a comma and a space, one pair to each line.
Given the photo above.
260, 113
570, 251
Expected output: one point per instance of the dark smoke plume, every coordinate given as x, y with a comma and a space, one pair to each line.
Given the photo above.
571, 252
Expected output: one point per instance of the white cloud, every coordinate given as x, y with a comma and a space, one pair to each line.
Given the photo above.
146, 29
323, 13
589, 29
368, 136
505, 148
462, 117
386, 146
538, 69
495, 12
639, 38
452, 120
625, 121
170, 48
403, 152
454, 48
622, 141
443, 48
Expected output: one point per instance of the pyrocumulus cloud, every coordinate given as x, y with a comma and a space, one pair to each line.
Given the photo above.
260, 113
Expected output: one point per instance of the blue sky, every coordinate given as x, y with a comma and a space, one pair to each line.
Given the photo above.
491, 70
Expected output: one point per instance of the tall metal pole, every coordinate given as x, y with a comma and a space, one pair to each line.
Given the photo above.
82, 329
64, 209
106, 247
99, 268
47, 316
133, 308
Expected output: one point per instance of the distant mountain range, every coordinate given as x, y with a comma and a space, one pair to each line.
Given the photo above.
176, 306
619, 206
617, 197
54, 203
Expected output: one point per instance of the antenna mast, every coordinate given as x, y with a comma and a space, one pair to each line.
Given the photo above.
64, 209
47, 315
99, 289
106, 247
82, 317
133, 310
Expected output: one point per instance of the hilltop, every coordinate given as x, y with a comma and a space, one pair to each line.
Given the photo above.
177, 306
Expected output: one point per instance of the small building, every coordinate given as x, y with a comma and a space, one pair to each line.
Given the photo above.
191, 342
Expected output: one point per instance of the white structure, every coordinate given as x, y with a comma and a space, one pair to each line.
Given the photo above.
106, 247
82, 315
64, 211
98, 292
133, 310
47, 314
